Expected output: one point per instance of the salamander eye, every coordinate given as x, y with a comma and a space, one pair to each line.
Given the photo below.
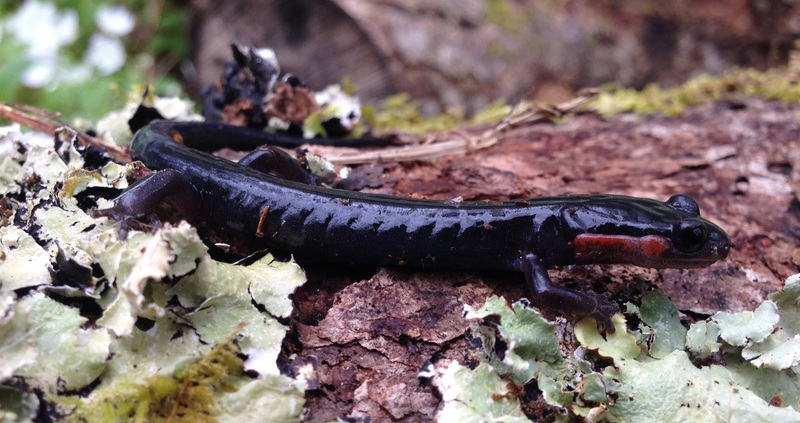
691, 236
685, 204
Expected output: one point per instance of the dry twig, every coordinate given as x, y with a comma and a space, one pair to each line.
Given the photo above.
459, 142
444, 143
43, 121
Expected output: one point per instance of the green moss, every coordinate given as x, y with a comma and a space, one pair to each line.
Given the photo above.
127, 401
492, 113
503, 14
774, 84
400, 113
189, 396
500, 50
78, 180
212, 373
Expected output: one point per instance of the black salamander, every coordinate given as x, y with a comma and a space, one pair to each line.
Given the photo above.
528, 236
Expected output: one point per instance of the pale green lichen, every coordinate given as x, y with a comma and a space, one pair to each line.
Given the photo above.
17, 406
666, 333
69, 356
219, 308
320, 166
747, 327
112, 174
644, 371
18, 348
619, 345
675, 390
334, 103
272, 398
24, 263
780, 349
532, 348
9, 173
114, 128
476, 395
149, 257
46, 344
11, 169
702, 338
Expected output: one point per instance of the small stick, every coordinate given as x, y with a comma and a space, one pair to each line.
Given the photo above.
458, 142
42, 121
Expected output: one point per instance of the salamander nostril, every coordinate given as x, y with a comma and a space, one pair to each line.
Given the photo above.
722, 244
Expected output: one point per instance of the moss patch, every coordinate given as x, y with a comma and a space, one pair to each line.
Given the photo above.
774, 84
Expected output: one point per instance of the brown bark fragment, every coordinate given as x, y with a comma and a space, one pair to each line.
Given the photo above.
742, 165
290, 104
376, 337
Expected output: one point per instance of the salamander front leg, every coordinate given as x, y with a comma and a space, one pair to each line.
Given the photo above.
167, 186
565, 300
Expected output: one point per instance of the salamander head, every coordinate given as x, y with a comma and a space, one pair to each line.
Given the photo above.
676, 236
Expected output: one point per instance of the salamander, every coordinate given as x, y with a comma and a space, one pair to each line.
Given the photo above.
527, 236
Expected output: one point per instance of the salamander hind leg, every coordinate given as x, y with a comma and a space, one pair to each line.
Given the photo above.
275, 161
565, 300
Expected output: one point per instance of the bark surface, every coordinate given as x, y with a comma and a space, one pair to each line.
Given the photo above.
370, 330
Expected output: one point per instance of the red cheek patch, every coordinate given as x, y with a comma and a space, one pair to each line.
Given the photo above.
598, 248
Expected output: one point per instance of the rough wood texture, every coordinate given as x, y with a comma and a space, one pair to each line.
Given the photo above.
371, 330
470, 52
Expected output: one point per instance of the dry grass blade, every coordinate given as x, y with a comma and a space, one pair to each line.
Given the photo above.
42, 121
460, 142
444, 143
